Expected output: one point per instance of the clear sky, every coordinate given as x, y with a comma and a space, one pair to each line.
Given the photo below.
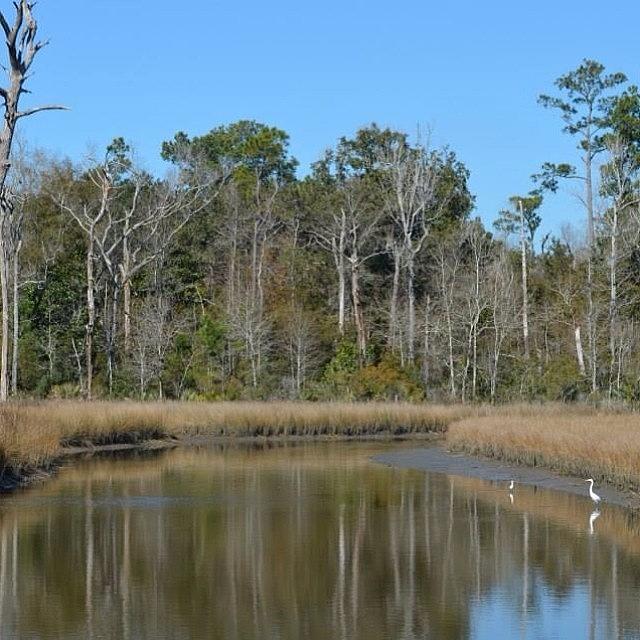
468, 70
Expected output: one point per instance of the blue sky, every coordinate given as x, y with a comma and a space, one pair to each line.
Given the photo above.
469, 71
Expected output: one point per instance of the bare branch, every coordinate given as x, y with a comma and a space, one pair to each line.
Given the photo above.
46, 107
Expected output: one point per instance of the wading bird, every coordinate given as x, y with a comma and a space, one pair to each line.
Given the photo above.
592, 494
511, 485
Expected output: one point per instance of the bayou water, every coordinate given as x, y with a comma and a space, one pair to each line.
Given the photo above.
311, 541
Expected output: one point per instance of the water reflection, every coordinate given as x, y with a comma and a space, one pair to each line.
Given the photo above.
311, 541
592, 518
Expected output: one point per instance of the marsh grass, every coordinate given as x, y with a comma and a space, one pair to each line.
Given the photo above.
31, 433
572, 441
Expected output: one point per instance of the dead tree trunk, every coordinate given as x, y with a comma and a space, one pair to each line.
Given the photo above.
16, 319
525, 284
4, 292
91, 315
358, 315
395, 292
22, 48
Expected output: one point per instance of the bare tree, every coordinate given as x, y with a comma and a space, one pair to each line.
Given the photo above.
414, 202
475, 298
449, 266
332, 237
22, 47
522, 221
92, 214
254, 331
153, 330
503, 305
23, 183
301, 348
619, 186
349, 235
129, 220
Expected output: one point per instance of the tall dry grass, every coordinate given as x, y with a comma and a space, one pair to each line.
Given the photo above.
574, 441
34, 432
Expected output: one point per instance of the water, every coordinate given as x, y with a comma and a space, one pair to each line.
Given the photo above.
310, 541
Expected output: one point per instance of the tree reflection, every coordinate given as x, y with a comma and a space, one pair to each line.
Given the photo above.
304, 542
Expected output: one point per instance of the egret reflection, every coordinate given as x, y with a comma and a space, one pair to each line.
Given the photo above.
592, 518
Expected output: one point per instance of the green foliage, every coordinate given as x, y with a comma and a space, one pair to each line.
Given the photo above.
344, 364
586, 107
524, 212
385, 381
253, 150
561, 380
211, 334
584, 104
242, 300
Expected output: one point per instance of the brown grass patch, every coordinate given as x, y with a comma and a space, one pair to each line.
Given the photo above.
32, 433
574, 441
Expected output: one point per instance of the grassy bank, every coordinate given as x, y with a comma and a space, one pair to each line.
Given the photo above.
32, 434
572, 441
569, 439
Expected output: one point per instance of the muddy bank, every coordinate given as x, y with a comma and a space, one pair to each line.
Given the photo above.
437, 459
21, 477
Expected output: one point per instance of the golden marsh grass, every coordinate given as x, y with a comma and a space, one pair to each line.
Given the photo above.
31, 433
581, 442
575, 440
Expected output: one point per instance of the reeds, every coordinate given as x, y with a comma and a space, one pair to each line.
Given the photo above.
573, 440
580, 442
31, 433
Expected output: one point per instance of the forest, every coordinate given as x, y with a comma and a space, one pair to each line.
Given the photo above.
240, 275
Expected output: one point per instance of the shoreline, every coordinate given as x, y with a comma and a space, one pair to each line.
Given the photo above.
437, 459
550, 447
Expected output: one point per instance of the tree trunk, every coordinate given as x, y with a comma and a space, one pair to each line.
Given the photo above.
342, 293
16, 320
525, 287
393, 311
591, 312
338, 255
358, 316
579, 351
613, 296
4, 345
411, 320
111, 342
426, 344
447, 308
494, 369
126, 302
91, 315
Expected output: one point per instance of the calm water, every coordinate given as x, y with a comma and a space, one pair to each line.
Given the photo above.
309, 542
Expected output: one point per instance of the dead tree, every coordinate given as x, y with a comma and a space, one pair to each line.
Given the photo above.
619, 182
93, 217
22, 47
415, 200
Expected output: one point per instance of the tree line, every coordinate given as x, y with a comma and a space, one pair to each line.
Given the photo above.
367, 278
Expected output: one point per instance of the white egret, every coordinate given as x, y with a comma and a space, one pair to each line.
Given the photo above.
592, 494
511, 485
